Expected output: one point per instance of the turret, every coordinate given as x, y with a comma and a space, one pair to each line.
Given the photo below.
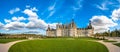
58, 30
72, 29
89, 26
48, 29
72, 25
58, 26
91, 29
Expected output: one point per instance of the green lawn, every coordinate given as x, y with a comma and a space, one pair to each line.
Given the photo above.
8, 40
118, 44
59, 45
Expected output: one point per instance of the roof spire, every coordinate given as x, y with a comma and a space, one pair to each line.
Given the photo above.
90, 25
48, 28
89, 22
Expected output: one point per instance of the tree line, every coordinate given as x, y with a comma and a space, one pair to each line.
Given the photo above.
114, 33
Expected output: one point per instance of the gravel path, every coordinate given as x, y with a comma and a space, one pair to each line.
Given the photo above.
114, 38
5, 47
111, 47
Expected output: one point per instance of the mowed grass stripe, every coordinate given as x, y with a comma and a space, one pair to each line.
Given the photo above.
58, 46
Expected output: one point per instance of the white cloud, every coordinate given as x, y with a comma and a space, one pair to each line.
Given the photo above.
14, 19
30, 13
105, 5
1, 25
51, 13
78, 5
27, 6
52, 7
52, 25
34, 21
33, 32
14, 10
14, 26
116, 14
7, 21
18, 18
102, 7
34, 9
102, 23
37, 24
75, 8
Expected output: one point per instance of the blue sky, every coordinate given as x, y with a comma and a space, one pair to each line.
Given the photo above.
21, 16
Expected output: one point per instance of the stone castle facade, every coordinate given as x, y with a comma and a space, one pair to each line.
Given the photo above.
70, 30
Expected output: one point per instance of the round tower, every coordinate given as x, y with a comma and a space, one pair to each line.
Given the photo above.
58, 30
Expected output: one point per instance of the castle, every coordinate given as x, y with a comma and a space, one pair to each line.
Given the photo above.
70, 30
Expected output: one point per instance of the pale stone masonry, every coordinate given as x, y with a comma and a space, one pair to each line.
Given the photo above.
70, 30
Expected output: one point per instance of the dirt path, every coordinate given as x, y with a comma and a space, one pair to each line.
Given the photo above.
5, 47
111, 47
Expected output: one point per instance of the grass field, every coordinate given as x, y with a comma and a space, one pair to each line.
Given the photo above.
8, 40
118, 44
59, 45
